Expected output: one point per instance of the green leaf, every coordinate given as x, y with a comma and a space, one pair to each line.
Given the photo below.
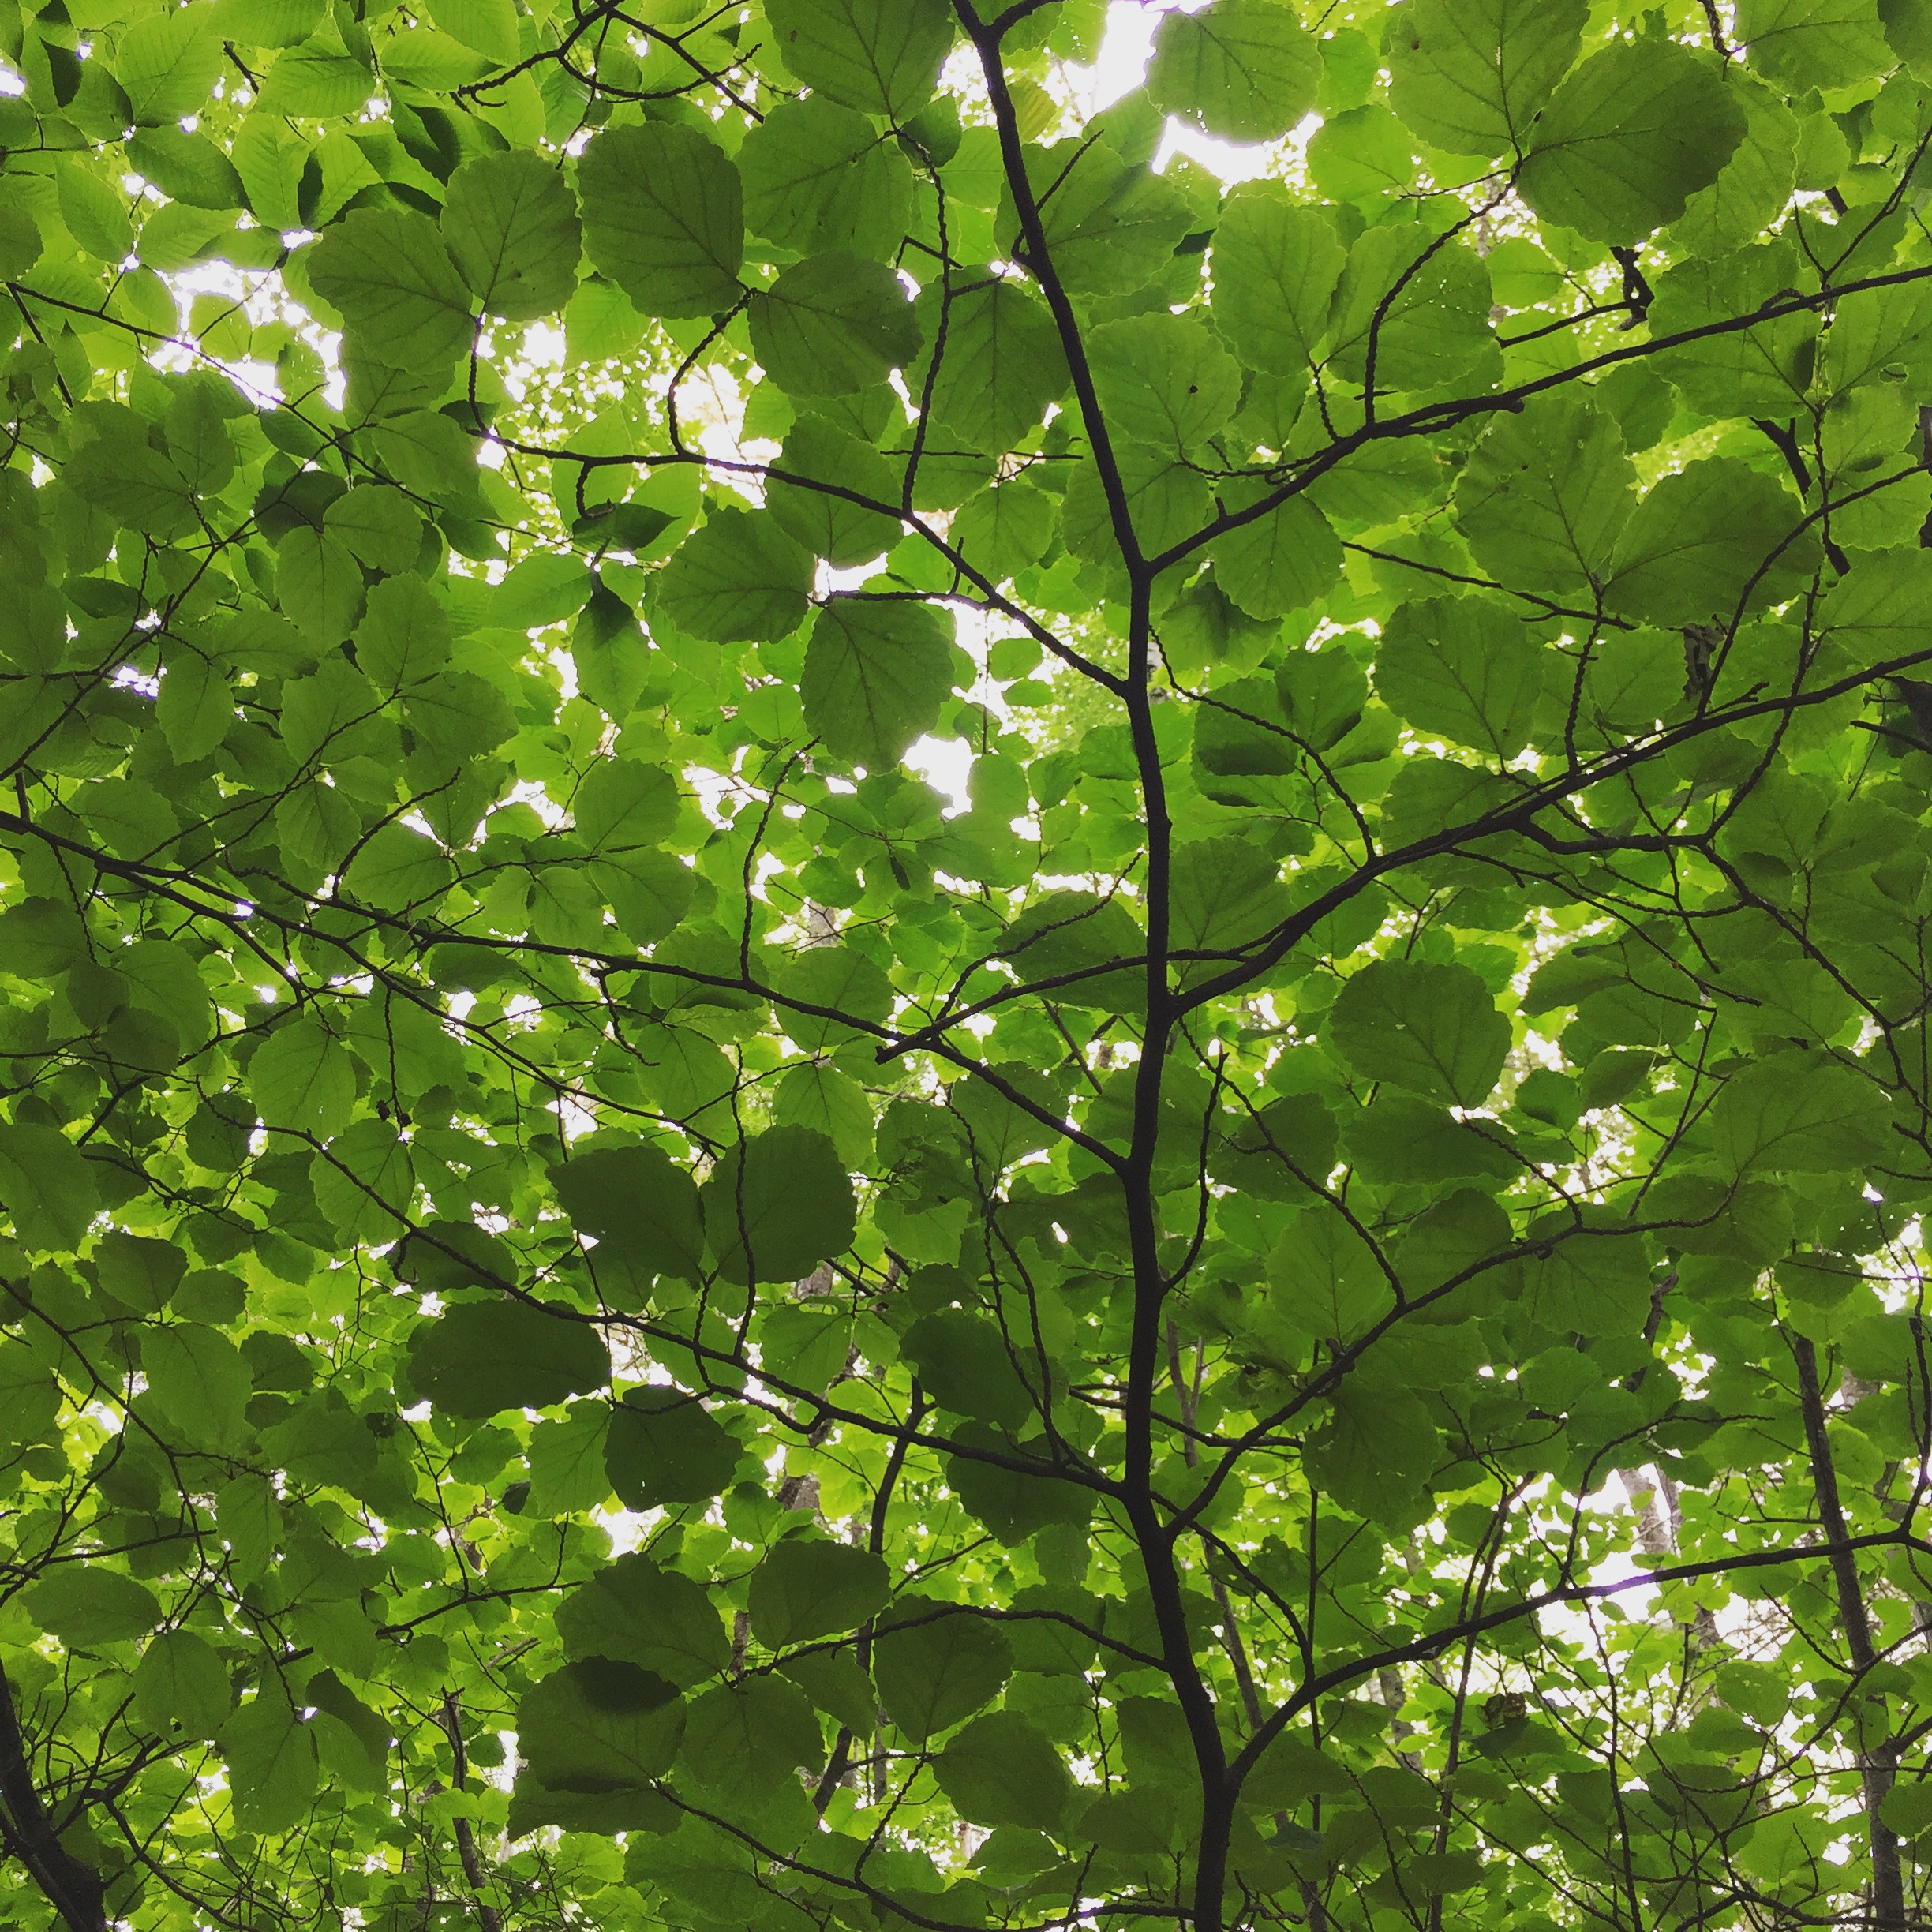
458, 715
428, 453
86, 1607
544, 589
1374, 1452
1715, 534
639, 1206
489, 26
1633, 680
1421, 305
272, 1765
195, 710
1245, 70
875, 676
364, 1182
966, 1364
135, 484
599, 1724
1163, 379
1330, 1282
740, 577
361, 1757
999, 1130
1362, 155
1074, 938
320, 78
186, 167
881, 56
181, 1688
302, 1080
1765, 369
1591, 1280
30, 1397
623, 805
43, 938
828, 994
751, 1738
833, 324
664, 1449
1280, 562
1227, 897
392, 278
1796, 1112
1471, 78
1003, 364
45, 1186
199, 1378
835, 1683
936, 1664
1400, 1139
688, 1074
321, 588
600, 323
425, 56
1753, 187
1814, 44
1468, 668
197, 436
511, 227
656, 1618
650, 892
809, 1348
1879, 608
608, 652
1632, 134
136, 1271
168, 62
21, 243
404, 636
129, 818
1109, 224
96, 214
1166, 500
566, 1458
480, 1357
820, 177
809, 1588
400, 868
1434, 1030
664, 217
1000, 1770
1907, 1809
777, 1205
832, 525
1546, 493
1275, 269
376, 523
1003, 531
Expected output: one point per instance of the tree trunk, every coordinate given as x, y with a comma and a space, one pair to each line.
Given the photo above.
1878, 1766
74, 1889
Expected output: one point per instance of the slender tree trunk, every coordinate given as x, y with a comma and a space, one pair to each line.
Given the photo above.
1388, 1681
1656, 1504
74, 1889
1878, 1766
474, 1874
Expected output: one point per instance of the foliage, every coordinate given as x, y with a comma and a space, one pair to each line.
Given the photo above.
1307, 1310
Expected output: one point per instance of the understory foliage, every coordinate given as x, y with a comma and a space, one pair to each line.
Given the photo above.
1304, 1308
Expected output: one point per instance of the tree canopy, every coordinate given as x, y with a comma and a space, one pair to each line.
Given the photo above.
1304, 1308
